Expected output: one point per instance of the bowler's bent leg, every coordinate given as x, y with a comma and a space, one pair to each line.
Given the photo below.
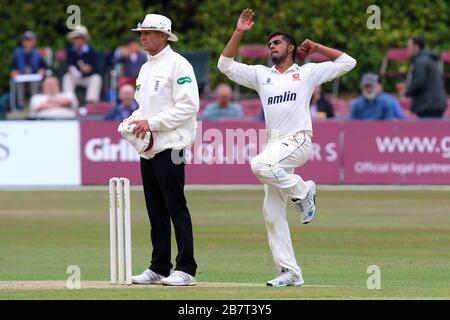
274, 166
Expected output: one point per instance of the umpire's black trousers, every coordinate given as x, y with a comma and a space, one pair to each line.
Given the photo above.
164, 196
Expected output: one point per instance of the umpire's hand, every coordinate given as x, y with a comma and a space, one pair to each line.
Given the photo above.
141, 128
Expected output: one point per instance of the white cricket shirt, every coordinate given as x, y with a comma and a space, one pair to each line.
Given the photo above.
167, 94
286, 96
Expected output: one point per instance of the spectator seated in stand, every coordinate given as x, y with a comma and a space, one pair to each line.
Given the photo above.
371, 105
27, 61
393, 101
52, 103
223, 107
320, 107
132, 58
82, 68
126, 106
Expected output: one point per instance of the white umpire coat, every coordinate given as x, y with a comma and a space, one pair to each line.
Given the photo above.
167, 94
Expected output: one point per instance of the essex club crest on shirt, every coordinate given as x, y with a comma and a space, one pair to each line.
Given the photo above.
296, 76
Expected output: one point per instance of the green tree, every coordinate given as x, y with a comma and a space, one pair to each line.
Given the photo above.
208, 24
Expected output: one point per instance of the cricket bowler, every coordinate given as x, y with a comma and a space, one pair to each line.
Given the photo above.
285, 91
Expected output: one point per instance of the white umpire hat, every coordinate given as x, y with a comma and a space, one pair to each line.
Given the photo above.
157, 22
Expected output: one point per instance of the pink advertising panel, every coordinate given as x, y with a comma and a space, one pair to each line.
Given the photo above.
397, 152
221, 153
104, 154
324, 161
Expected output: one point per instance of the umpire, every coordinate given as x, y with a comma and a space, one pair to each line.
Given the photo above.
167, 94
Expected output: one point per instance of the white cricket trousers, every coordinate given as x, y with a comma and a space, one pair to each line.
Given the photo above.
275, 168
92, 83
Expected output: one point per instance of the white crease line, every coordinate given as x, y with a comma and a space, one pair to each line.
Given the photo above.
57, 285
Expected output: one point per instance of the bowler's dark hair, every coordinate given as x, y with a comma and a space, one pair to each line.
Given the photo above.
289, 38
418, 41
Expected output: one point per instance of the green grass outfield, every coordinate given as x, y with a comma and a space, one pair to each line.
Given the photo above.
405, 232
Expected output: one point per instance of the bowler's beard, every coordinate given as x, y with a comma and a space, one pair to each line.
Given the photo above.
279, 60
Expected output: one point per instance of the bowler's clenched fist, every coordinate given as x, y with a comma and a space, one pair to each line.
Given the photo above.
308, 47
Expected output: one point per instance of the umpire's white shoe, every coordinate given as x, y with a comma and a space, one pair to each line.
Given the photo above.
179, 278
147, 277
286, 278
307, 206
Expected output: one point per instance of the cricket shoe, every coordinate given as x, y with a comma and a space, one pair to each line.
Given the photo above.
147, 277
179, 278
286, 278
307, 206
